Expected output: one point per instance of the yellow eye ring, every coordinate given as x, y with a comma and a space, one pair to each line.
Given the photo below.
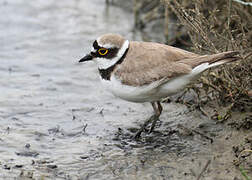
102, 51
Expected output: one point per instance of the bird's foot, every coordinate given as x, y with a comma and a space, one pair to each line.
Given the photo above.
152, 119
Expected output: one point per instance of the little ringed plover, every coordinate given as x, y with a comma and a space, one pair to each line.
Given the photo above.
147, 71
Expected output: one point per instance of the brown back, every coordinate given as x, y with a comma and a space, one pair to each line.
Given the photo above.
147, 62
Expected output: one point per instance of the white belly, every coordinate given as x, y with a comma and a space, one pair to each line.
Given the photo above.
147, 93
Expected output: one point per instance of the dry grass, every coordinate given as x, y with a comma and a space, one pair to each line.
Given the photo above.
216, 26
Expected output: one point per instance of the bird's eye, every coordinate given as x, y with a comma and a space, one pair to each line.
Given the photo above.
102, 51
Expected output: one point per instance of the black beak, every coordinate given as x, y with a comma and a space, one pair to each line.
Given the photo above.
88, 57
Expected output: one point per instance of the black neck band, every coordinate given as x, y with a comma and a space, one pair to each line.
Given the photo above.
106, 73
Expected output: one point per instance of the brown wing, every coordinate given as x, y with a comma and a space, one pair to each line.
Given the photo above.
147, 62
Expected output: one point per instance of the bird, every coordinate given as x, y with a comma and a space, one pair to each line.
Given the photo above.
140, 72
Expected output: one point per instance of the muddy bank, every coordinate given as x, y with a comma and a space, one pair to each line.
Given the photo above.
57, 122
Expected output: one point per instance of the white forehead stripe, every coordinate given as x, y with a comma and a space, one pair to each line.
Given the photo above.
107, 46
104, 45
104, 63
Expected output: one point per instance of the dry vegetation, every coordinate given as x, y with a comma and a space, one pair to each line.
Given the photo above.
213, 26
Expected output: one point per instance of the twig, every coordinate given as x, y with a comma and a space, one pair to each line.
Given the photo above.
229, 12
247, 55
204, 112
245, 150
136, 12
204, 169
243, 3
166, 24
84, 128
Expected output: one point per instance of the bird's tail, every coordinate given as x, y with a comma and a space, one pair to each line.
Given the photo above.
201, 63
212, 60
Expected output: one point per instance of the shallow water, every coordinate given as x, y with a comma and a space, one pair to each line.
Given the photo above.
56, 120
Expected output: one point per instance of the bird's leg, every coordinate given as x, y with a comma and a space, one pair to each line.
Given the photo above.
157, 110
160, 108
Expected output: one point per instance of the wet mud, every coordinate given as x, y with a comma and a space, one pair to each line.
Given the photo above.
57, 121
